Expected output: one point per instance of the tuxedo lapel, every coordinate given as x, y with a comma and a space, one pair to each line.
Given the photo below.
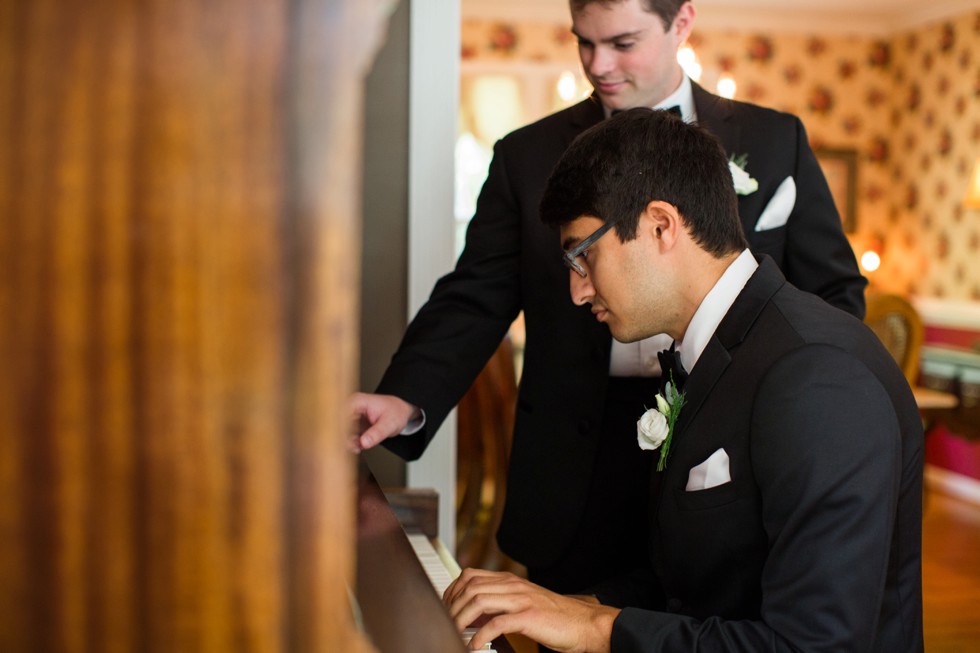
759, 289
583, 115
732, 330
712, 363
715, 115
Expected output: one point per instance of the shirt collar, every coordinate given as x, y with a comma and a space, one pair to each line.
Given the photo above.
683, 97
714, 307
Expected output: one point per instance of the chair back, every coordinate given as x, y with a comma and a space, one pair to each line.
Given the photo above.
485, 419
899, 327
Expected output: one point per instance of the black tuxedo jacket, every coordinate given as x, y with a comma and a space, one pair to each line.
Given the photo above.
814, 544
512, 262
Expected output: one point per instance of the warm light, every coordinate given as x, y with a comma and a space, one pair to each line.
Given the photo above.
686, 55
689, 62
567, 86
726, 87
972, 197
870, 261
497, 105
693, 71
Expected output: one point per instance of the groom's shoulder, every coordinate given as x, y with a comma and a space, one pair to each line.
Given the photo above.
822, 328
765, 120
559, 124
815, 321
750, 114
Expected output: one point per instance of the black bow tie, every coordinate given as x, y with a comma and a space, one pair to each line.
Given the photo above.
671, 368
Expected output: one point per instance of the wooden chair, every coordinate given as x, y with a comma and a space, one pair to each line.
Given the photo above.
899, 327
485, 429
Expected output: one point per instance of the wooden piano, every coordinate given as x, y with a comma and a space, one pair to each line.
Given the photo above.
400, 578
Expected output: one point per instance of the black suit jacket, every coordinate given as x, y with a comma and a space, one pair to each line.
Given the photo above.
512, 262
814, 544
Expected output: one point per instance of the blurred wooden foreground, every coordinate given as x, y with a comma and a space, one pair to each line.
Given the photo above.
179, 247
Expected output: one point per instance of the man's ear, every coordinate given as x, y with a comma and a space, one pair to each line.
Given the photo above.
661, 222
683, 22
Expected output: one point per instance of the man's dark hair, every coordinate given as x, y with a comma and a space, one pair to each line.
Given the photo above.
666, 9
614, 169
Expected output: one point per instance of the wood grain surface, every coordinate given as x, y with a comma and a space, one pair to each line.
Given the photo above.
179, 241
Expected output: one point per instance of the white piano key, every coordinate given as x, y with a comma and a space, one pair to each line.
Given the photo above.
432, 563
468, 635
442, 570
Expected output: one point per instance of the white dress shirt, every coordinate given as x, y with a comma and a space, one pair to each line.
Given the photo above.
714, 307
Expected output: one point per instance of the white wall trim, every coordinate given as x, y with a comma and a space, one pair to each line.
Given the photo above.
952, 484
948, 313
434, 42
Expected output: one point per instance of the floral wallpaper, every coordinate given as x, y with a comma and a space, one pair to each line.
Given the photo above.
907, 104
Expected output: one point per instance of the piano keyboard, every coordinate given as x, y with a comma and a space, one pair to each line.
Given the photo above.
442, 569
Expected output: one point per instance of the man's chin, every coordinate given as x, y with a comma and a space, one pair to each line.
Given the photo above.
625, 338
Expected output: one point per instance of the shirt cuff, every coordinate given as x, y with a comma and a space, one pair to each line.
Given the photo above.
415, 424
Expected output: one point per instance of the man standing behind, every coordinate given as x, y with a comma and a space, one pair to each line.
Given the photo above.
576, 495
788, 510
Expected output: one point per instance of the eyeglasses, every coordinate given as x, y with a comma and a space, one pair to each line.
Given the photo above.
572, 255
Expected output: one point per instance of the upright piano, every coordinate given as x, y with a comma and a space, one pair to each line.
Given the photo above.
400, 578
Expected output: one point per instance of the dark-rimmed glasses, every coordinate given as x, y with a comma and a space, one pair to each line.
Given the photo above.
572, 255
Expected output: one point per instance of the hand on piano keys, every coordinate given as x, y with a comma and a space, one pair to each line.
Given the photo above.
442, 570
501, 603
398, 607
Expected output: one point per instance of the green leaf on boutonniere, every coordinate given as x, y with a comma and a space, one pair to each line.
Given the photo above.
670, 407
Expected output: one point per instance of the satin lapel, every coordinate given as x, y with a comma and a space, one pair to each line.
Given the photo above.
717, 354
715, 114
583, 115
713, 361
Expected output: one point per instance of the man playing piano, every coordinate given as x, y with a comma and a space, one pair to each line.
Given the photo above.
786, 512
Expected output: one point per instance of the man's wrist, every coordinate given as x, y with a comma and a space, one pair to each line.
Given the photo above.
603, 618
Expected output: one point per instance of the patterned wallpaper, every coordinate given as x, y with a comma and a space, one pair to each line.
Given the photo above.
908, 105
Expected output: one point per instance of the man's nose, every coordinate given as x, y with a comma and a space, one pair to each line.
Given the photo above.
580, 288
601, 62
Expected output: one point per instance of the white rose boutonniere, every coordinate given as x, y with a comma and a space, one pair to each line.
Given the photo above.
655, 427
744, 184
651, 429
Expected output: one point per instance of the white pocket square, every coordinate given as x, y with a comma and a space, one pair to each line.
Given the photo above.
780, 206
711, 473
